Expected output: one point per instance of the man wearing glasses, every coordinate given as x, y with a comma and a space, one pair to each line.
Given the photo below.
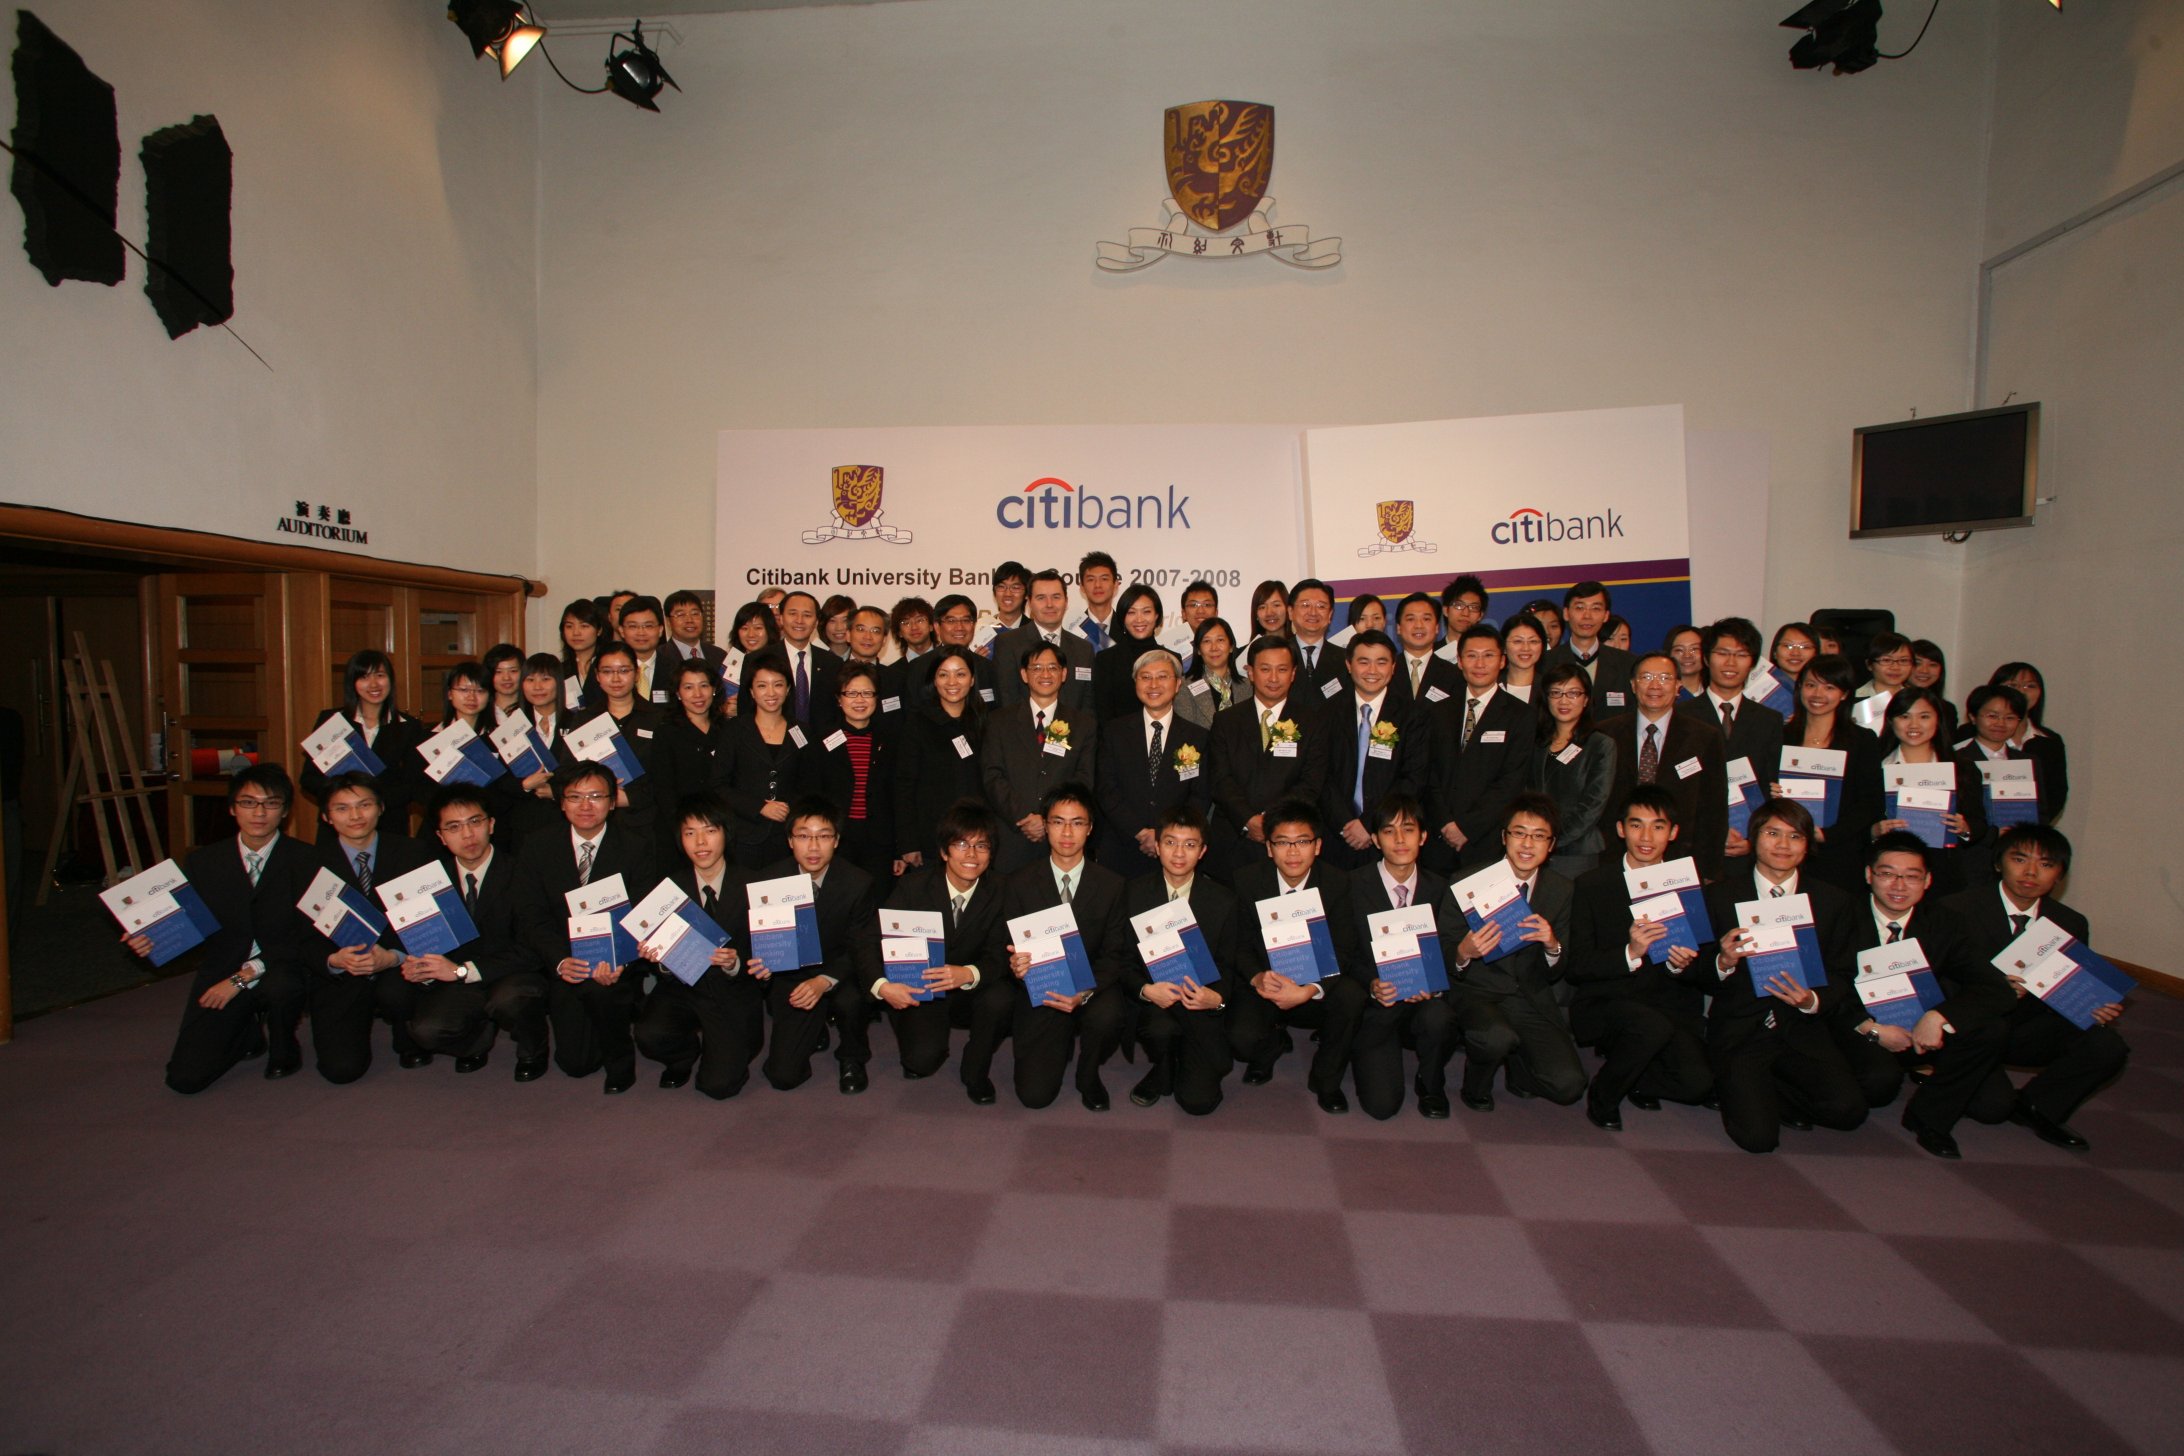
1032, 746
1505, 1006
1463, 606
1094, 1019
803, 1000
248, 993
1749, 730
974, 986
1654, 744
360, 984
589, 1004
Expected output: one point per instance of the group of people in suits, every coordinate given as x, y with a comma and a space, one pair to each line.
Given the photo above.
1007, 763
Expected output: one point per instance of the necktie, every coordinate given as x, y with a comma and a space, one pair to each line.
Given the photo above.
1895, 931
1052, 639
1311, 661
1649, 757
1095, 634
1471, 720
1402, 897
955, 910
2018, 924
254, 864
1266, 728
803, 690
1728, 719
1174, 893
1417, 671
708, 901
1524, 891
1152, 758
1364, 737
1776, 893
584, 863
1066, 897
470, 894
364, 872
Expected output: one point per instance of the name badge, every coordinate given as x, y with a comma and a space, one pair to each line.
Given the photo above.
891, 705
1436, 695
985, 695
1187, 774
1282, 750
1612, 700
1084, 674
796, 736
1201, 687
1569, 755
962, 746
1059, 750
835, 740
644, 733
1330, 687
1495, 735
572, 693
1380, 750
1687, 768
659, 695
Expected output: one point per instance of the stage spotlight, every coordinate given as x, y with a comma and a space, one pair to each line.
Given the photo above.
635, 73
1841, 33
518, 43
502, 29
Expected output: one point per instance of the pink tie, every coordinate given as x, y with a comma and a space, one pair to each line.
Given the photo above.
1402, 897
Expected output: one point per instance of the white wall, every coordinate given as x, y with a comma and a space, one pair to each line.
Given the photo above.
384, 266
2092, 326
885, 214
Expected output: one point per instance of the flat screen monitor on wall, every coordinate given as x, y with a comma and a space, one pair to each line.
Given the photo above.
1968, 472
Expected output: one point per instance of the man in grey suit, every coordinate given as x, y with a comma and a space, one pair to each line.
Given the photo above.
1049, 602
1032, 745
1585, 609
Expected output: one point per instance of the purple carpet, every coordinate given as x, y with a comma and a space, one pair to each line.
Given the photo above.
419, 1264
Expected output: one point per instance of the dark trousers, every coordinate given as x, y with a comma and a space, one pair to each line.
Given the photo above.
993, 1003
343, 1008
1255, 1027
1648, 1050
922, 1029
461, 1018
1523, 1031
1760, 1072
1044, 1038
1960, 1069
591, 1025
2076, 1063
719, 1024
1190, 1050
796, 1033
1427, 1027
261, 1019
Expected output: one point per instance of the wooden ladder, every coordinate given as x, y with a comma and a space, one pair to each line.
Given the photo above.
101, 775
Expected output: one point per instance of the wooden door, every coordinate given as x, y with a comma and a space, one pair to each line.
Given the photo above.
223, 692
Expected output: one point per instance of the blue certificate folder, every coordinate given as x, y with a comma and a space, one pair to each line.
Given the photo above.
1896, 985
440, 930
1668, 912
1293, 928
338, 747
785, 923
475, 763
1477, 895
1779, 952
522, 750
2097, 982
686, 940
1173, 946
1059, 961
906, 959
1743, 799
162, 906
1827, 765
2019, 806
341, 912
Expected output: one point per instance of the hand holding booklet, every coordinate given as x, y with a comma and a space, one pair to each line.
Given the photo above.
1174, 919
784, 922
1772, 951
2063, 971
426, 911
1794, 914
1293, 928
913, 942
337, 747
2010, 791
1896, 984
1492, 897
1059, 965
520, 747
1921, 808
1407, 951
674, 933
606, 896
161, 905
1678, 877
1826, 766
454, 754
597, 740
341, 912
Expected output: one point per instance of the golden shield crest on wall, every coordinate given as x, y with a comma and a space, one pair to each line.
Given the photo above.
857, 493
1220, 156
1396, 520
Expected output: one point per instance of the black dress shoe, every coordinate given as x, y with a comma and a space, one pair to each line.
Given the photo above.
1257, 1076
910, 1075
1150, 1088
1940, 1144
413, 1060
1477, 1102
981, 1091
853, 1078
1433, 1105
2047, 1129
530, 1069
620, 1082
274, 1071
1518, 1090
1710, 1102
1802, 1124
673, 1077
467, 1065
1643, 1102
1332, 1100
1095, 1097
1606, 1122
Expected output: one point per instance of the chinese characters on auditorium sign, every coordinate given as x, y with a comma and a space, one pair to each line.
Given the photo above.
1220, 157
322, 523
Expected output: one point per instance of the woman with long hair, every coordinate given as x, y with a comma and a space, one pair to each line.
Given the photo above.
2036, 737
368, 706
762, 762
1912, 741
1213, 663
690, 752
1136, 626
1524, 643
937, 751
583, 629
1269, 610
1822, 720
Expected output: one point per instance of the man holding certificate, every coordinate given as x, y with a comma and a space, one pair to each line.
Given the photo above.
971, 987
1507, 964
714, 1023
359, 980
835, 971
1655, 744
248, 993
1327, 998
1068, 942
1780, 961
1751, 731
1402, 910
1962, 1038
1186, 928
1635, 999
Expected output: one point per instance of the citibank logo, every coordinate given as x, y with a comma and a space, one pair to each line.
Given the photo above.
1529, 525
1051, 503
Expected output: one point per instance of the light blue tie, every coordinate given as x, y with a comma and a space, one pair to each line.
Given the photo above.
1364, 738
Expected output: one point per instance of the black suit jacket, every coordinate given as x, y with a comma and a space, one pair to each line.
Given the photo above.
1114, 687
1403, 771
1134, 793
500, 947
1096, 901
1598, 964
1333, 666
1611, 670
684, 762
392, 855
1440, 673
1016, 768
1737, 1011
1249, 780
829, 774
826, 671
400, 787
1987, 923
847, 906
1527, 969
731, 911
1702, 796
1008, 664
1369, 897
1974, 991
931, 773
547, 872
1260, 880
714, 657
1472, 786
981, 938
264, 913
1757, 735
1217, 916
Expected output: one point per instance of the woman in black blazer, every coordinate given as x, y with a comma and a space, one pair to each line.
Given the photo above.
368, 703
936, 752
1917, 719
690, 754
613, 694
1822, 720
1995, 716
466, 692
1137, 619
763, 752
533, 807
2036, 738
1574, 766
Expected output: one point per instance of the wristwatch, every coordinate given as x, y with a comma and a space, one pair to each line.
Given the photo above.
240, 983
1872, 1033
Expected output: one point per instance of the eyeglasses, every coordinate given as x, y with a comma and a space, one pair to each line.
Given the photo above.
813, 836
259, 806
859, 693
1293, 843
1898, 877
971, 846
1731, 654
475, 821
1654, 679
592, 797
1528, 836
1568, 695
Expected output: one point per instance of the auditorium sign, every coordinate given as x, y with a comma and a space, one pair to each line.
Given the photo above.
1219, 157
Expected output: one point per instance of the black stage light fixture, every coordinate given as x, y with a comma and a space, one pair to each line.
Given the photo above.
1842, 33
635, 73
502, 29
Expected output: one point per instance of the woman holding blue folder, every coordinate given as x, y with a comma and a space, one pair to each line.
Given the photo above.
1913, 738
1822, 720
368, 703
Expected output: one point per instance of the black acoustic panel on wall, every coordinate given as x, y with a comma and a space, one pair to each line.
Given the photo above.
189, 180
67, 172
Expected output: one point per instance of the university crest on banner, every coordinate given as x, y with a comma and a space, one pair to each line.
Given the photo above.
857, 490
1397, 519
1219, 157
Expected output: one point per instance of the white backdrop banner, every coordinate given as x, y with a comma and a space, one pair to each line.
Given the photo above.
880, 514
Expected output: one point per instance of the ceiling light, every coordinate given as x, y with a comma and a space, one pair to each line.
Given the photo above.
517, 44
1840, 33
635, 73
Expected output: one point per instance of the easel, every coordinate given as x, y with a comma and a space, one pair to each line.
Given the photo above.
95, 709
